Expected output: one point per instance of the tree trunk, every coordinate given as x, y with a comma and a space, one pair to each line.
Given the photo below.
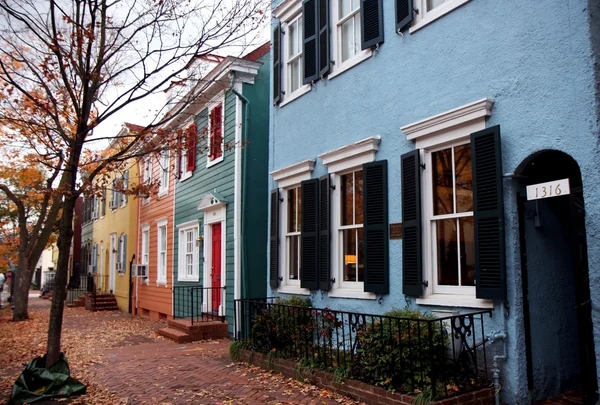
20, 295
65, 235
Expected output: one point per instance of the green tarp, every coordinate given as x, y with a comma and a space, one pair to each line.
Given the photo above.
37, 383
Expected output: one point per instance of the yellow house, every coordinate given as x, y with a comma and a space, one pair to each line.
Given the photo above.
114, 233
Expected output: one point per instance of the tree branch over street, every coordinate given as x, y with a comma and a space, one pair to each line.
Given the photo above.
68, 66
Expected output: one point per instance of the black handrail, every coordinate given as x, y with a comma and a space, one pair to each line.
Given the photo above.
198, 303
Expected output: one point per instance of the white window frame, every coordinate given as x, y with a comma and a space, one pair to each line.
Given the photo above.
219, 99
122, 195
341, 161
441, 131
165, 162
161, 274
425, 16
336, 21
287, 178
147, 168
183, 229
145, 257
122, 259
184, 173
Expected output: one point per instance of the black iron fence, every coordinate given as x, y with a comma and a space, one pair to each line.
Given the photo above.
199, 304
48, 283
404, 351
92, 283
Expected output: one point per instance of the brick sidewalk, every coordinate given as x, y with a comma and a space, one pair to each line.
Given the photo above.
148, 369
198, 373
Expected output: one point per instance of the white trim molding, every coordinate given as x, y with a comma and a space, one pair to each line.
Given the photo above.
425, 18
211, 201
287, 9
449, 126
293, 174
353, 155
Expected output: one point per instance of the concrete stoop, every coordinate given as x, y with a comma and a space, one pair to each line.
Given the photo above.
182, 330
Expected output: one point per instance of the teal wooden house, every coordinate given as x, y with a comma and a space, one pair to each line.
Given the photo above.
221, 196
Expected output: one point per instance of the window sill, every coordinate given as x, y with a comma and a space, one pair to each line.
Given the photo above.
185, 176
446, 300
210, 163
189, 280
161, 283
293, 290
162, 193
348, 293
350, 63
295, 95
436, 13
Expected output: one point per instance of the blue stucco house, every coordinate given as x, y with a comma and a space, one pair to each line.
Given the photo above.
443, 155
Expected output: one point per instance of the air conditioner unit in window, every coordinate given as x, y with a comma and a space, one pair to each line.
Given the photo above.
140, 270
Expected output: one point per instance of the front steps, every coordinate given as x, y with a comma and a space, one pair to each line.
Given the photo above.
101, 302
79, 302
182, 330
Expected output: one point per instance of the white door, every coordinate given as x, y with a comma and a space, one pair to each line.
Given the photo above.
112, 262
101, 261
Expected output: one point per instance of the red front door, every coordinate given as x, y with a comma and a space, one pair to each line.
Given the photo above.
216, 267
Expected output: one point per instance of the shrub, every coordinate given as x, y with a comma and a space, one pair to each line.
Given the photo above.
400, 353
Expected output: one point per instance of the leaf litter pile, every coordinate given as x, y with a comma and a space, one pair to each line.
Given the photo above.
86, 337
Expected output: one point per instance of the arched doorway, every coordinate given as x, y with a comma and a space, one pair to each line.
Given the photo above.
555, 280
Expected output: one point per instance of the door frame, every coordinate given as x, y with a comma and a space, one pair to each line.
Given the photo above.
112, 260
212, 216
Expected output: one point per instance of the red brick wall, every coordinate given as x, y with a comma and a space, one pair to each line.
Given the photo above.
356, 389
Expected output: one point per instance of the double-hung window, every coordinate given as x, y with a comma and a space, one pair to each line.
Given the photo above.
348, 29
431, 10
350, 230
162, 253
145, 244
164, 173
147, 173
188, 252
294, 55
215, 134
292, 235
451, 220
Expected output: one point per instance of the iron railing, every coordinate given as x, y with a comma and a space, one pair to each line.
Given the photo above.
199, 304
93, 283
76, 288
48, 283
411, 353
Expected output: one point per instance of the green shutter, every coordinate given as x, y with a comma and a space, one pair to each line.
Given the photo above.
309, 259
310, 52
375, 214
371, 15
324, 234
488, 212
412, 245
277, 64
274, 241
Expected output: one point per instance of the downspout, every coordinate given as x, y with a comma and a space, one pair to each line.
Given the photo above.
498, 336
244, 276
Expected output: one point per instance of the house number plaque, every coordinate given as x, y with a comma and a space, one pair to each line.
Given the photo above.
554, 188
396, 231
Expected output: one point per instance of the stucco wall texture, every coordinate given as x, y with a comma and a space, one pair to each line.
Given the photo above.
534, 59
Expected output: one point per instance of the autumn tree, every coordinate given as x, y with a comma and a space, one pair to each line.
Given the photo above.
77, 63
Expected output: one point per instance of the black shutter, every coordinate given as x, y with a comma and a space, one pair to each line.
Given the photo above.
375, 214
277, 64
324, 234
274, 241
488, 212
309, 44
371, 14
309, 259
324, 53
412, 246
404, 14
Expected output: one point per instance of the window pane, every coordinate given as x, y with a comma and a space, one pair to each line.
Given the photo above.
431, 4
347, 196
467, 251
347, 40
358, 197
357, 34
294, 256
442, 182
345, 7
349, 254
293, 36
447, 254
291, 200
294, 75
360, 256
464, 178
